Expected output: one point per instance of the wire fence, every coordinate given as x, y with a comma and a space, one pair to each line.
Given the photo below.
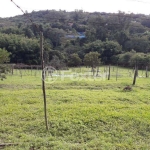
100, 72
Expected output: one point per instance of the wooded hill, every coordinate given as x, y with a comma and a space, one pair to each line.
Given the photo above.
117, 37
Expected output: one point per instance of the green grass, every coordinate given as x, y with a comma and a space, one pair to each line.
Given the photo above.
87, 114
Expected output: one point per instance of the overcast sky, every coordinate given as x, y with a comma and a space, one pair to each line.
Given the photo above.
8, 9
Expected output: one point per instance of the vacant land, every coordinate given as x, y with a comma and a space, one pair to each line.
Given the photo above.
92, 114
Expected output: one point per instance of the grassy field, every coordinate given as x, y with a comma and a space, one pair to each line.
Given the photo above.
83, 113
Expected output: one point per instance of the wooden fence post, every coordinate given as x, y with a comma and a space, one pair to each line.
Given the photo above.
43, 80
109, 73
135, 74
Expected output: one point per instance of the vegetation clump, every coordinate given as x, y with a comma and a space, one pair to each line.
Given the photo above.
127, 88
69, 36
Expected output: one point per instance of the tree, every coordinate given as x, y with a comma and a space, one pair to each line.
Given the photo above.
125, 58
57, 63
110, 48
109, 34
74, 60
55, 35
129, 59
92, 60
139, 44
23, 49
4, 57
137, 27
96, 46
107, 49
122, 37
97, 28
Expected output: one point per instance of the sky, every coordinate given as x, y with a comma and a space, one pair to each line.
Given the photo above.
8, 9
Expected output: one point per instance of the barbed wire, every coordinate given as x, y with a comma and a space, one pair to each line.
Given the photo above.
28, 17
34, 24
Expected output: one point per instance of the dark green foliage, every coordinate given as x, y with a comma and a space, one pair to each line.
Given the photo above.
57, 63
55, 35
106, 49
23, 50
92, 59
139, 44
130, 58
105, 33
74, 60
110, 48
4, 58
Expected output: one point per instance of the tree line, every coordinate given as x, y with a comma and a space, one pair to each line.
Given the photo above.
114, 37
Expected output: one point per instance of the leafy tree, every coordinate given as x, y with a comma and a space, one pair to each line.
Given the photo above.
97, 28
90, 34
53, 53
12, 30
55, 35
94, 46
57, 63
130, 58
121, 37
74, 60
125, 58
28, 32
139, 44
71, 49
136, 28
23, 50
106, 49
146, 22
109, 34
4, 57
92, 59
110, 48
78, 27
141, 59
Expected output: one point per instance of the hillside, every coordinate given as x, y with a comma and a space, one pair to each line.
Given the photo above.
114, 36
